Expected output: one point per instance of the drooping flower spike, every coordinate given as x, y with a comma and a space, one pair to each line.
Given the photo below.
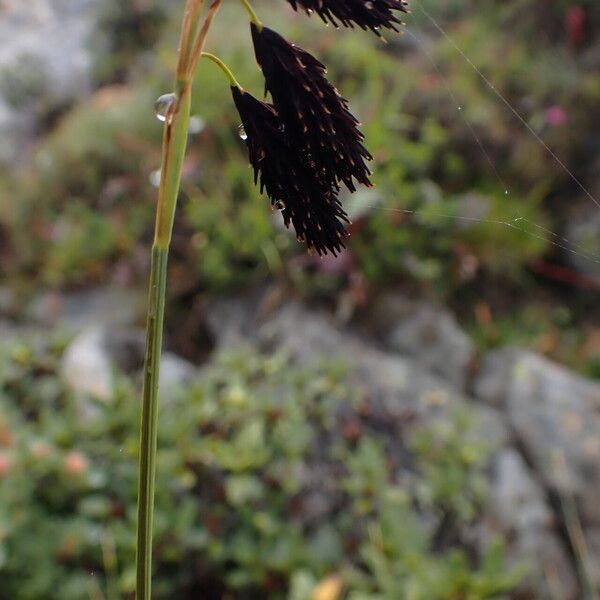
367, 14
315, 116
307, 201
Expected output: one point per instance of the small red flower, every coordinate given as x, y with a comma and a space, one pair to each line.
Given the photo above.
6, 463
76, 463
556, 116
576, 21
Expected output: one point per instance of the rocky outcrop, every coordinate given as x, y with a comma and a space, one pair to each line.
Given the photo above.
44, 63
541, 419
425, 332
407, 382
555, 417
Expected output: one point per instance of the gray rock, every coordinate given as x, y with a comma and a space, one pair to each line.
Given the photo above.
104, 306
582, 230
492, 426
589, 554
175, 372
492, 382
8, 332
518, 511
86, 367
403, 390
555, 416
235, 320
402, 387
89, 362
427, 333
401, 384
44, 63
517, 501
97, 353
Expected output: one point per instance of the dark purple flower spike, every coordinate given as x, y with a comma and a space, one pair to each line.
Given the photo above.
367, 14
306, 201
316, 117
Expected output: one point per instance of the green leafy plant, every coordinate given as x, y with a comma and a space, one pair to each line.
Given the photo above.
399, 564
238, 494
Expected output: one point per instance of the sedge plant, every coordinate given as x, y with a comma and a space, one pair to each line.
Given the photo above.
303, 147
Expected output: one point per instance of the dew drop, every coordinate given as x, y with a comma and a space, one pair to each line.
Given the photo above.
279, 205
163, 105
242, 132
369, 5
154, 178
196, 125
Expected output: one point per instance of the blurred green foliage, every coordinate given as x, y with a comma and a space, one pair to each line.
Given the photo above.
464, 192
268, 481
407, 93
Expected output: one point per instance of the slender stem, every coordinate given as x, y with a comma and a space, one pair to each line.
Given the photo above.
174, 145
148, 439
201, 37
189, 25
232, 80
253, 16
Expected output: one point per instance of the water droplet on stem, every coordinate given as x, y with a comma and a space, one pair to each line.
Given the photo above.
242, 133
163, 106
154, 178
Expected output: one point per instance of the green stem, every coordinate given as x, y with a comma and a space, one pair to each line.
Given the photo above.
148, 438
252, 13
229, 74
174, 144
173, 153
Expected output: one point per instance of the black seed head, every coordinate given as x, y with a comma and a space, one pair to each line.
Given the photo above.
316, 117
305, 200
367, 14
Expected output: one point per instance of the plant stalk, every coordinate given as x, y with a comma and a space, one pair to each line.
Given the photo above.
173, 153
174, 145
149, 426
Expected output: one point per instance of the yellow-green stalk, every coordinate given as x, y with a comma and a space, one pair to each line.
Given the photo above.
173, 152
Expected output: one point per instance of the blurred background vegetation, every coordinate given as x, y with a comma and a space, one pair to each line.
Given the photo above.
469, 210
